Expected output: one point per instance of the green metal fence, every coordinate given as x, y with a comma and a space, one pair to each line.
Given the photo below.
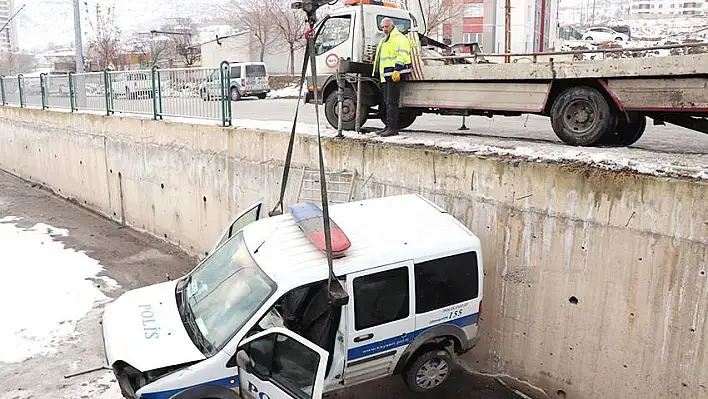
32, 91
88, 91
11, 90
201, 93
57, 92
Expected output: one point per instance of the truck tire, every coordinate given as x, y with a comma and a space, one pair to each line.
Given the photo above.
429, 371
580, 116
627, 132
348, 110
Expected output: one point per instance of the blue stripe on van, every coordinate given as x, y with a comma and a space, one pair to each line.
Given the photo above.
224, 382
395, 342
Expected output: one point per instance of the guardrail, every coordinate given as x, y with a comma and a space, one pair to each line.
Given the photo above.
202, 93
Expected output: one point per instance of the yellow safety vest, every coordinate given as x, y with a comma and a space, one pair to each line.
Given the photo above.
393, 54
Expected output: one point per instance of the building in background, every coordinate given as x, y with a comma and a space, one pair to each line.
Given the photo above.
533, 25
657, 8
8, 36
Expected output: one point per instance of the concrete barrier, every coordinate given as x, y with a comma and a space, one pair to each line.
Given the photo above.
596, 282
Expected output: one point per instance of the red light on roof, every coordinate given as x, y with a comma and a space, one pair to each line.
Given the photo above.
310, 219
371, 2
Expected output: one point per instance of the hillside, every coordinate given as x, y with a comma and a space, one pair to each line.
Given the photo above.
45, 22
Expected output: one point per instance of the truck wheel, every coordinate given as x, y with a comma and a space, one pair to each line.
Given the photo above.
627, 132
428, 371
348, 110
581, 116
262, 96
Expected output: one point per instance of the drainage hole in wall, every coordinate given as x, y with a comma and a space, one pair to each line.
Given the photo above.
631, 314
114, 214
693, 330
487, 226
204, 198
640, 259
561, 393
684, 384
206, 253
703, 272
625, 366
119, 175
111, 170
81, 162
162, 185
573, 300
571, 348
165, 235
55, 155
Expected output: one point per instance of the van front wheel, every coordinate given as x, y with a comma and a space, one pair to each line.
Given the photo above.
428, 371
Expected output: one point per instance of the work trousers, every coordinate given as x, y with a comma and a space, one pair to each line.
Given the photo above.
392, 96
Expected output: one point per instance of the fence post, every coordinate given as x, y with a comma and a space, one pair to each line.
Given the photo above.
108, 90
225, 75
20, 80
2, 89
159, 86
72, 94
155, 93
43, 90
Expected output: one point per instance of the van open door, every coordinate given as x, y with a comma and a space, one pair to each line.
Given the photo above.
279, 364
242, 220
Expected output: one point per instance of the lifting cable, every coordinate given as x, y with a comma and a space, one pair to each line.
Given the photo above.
336, 291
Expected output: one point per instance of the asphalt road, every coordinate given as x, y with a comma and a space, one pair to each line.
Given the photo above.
133, 260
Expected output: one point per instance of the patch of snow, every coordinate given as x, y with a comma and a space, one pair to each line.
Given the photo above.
613, 159
49, 286
103, 387
291, 91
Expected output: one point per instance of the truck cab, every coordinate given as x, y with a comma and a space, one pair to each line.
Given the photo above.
254, 318
338, 36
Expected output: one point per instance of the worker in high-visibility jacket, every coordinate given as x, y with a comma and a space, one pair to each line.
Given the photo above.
392, 63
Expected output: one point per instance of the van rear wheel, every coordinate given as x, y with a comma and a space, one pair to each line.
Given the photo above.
428, 371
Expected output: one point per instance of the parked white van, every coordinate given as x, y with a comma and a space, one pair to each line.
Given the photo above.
254, 319
246, 79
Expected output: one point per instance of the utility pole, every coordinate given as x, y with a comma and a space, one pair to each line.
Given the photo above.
77, 39
507, 31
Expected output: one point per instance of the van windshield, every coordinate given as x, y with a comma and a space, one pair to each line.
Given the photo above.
224, 292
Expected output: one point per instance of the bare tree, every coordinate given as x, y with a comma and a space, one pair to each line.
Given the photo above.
290, 25
437, 13
152, 49
105, 45
254, 15
12, 63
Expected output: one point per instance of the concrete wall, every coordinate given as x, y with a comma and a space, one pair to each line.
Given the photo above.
596, 282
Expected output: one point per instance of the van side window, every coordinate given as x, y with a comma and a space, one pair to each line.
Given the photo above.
235, 72
381, 298
446, 281
255, 71
284, 362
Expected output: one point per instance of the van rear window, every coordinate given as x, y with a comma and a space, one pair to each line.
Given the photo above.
446, 281
255, 71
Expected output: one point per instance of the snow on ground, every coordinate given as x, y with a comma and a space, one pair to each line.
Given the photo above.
640, 161
290, 91
50, 290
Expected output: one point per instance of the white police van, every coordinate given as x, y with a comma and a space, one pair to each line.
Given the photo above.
254, 319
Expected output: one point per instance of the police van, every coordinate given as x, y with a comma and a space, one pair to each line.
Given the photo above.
254, 319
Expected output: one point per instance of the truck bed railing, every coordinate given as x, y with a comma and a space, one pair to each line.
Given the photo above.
534, 56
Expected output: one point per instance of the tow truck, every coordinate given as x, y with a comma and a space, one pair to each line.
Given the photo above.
589, 102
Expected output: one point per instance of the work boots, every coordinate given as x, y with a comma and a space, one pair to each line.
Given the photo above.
388, 132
